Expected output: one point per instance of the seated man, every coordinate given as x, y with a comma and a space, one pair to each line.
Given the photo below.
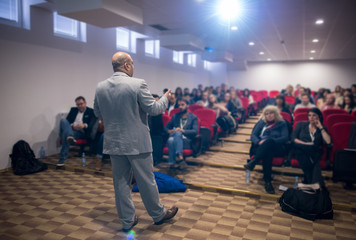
305, 102
77, 125
182, 129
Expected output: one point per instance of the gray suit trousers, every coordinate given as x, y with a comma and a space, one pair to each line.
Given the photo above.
142, 167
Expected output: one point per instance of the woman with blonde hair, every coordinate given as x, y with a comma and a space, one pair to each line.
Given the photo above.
268, 137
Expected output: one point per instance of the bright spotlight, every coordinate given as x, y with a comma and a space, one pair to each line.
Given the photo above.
229, 9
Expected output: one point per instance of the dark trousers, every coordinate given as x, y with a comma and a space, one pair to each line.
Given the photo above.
266, 152
309, 160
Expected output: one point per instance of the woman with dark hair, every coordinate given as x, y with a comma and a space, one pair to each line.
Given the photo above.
246, 93
268, 137
322, 98
281, 104
178, 92
308, 139
349, 104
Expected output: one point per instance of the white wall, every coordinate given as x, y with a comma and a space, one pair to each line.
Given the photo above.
41, 75
312, 74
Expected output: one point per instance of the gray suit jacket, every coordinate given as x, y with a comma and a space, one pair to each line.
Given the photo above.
123, 102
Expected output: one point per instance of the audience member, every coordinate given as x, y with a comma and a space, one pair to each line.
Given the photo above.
329, 103
182, 129
246, 93
305, 102
77, 125
155, 124
322, 98
237, 102
338, 91
289, 91
188, 98
186, 91
308, 138
219, 109
268, 137
204, 100
282, 105
127, 139
349, 104
340, 100
353, 91
178, 92
172, 104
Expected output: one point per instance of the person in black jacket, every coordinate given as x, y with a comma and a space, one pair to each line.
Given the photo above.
182, 129
78, 125
268, 137
308, 139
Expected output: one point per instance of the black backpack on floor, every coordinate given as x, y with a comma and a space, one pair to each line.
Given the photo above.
23, 160
308, 201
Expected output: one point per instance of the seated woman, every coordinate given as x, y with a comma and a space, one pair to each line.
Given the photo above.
308, 138
281, 104
269, 137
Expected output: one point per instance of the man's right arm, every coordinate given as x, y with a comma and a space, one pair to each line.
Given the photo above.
148, 103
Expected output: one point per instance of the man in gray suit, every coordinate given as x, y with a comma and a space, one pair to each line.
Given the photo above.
123, 102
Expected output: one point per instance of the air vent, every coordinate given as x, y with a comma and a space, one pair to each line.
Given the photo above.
159, 27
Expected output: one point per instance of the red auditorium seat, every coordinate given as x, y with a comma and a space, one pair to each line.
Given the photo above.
300, 110
287, 116
273, 93
327, 112
336, 118
353, 113
173, 111
299, 117
165, 119
290, 99
208, 117
194, 107
340, 134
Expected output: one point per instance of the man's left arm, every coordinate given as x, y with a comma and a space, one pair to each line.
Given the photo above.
192, 129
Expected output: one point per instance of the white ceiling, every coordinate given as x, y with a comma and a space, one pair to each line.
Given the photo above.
282, 29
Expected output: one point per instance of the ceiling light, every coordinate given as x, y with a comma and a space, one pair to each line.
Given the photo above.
319, 21
311, 58
261, 53
268, 59
312, 51
234, 28
315, 40
251, 43
229, 9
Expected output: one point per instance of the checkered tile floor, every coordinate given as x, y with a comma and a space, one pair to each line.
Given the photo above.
219, 204
63, 205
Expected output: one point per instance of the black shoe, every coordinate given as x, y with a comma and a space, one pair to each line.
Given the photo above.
269, 188
249, 166
133, 224
169, 215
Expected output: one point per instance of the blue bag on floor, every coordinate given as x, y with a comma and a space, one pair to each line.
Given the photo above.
166, 184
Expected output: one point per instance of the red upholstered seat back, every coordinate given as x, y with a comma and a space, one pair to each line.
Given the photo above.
337, 118
340, 136
273, 93
286, 116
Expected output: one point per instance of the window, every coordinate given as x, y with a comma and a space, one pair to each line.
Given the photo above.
192, 60
10, 12
126, 39
152, 48
122, 38
206, 65
69, 28
178, 57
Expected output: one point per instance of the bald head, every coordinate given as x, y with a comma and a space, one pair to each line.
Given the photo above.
122, 62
